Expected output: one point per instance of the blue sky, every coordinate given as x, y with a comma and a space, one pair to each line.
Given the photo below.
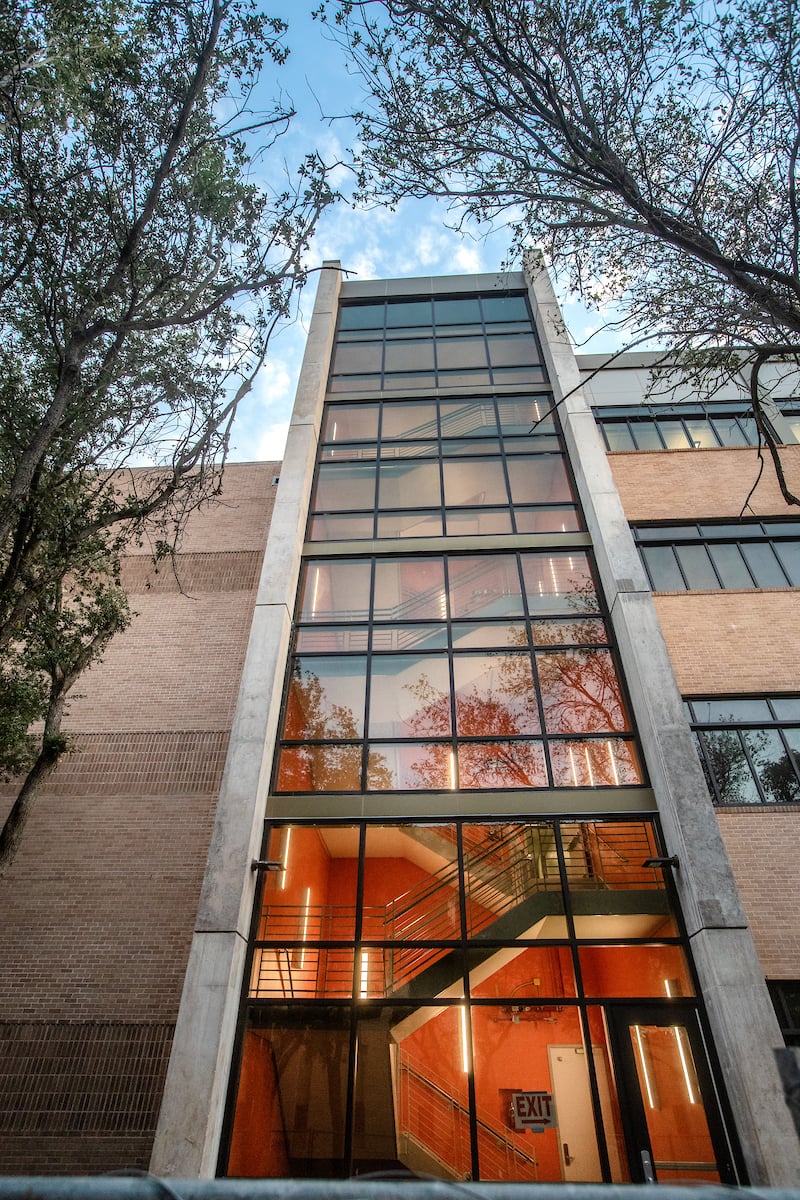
413, 240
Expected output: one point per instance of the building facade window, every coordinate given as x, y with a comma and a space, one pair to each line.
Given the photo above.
720, 555
785, 995
424, 468
424, 995
428, 993
749, 747
447, 342
684, 426
453, 672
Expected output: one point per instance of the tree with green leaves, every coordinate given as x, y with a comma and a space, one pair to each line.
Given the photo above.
649, 146
146, 255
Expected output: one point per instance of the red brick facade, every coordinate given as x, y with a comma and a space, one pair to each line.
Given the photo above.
98, 909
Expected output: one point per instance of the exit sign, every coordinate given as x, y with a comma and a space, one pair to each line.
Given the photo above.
533, 1110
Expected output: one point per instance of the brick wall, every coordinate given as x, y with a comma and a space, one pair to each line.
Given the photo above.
762, 847
693, 485
97, 911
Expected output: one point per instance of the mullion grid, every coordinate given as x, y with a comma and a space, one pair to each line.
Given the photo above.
504, 451
433, 334
737, 729
752, 534
532, 652
356, 1005
652, 419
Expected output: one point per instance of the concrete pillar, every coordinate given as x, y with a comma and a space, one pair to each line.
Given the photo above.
190, 1120
740, 1012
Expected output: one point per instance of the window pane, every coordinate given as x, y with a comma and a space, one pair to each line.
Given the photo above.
634, 971
486, 586
787, 708
697, 567
409, 484
414, 420
534, 973
460, 353
477, 378
773, 765
409, 766
361, 316
723, 711
286, 1064
762, 562
409, 696
726, 758
610, 762
416, 355
618, 435
313, 897
470, 447
410, 524
410, 589
513, 351
475, 521
357, 358
339, 529
337, 590
538, 480
494, 695
472, 418
408, 312
524, 414
646, 435
581, 692
546, 520
400, 381
565, 633
474, 482
354, 383
673, 434
326, 699
343, 486
789, 554
319, 769
701, 433
512, 764
403, 1057
504, 308
558, 583
731, 566
728, 431
305, 972
662, 567
507, 633
350, 422
457, 312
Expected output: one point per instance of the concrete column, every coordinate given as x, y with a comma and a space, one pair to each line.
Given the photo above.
739, 1009
190, 1121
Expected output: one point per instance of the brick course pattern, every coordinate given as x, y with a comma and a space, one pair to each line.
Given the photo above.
729, 642
98, 908
762, 847
696, 485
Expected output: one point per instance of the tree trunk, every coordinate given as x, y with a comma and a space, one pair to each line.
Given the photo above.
11, 833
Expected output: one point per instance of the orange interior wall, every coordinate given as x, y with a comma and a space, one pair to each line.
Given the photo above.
258, 1144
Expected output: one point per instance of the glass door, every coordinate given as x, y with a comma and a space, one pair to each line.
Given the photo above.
673, 1127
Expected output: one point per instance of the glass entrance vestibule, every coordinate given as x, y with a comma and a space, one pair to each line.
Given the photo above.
496, 1000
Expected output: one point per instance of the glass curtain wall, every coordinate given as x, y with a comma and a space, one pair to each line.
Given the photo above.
460, 998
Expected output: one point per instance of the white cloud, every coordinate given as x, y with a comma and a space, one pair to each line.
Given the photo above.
272, 443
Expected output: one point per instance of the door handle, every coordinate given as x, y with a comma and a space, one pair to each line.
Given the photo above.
567, 1156
647, 1167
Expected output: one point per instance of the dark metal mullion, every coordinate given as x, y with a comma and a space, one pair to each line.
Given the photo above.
451, 678
535, 673
711, 773
365, 741
352, 1056
467, 1009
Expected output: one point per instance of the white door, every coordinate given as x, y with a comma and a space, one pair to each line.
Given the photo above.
580, 1160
